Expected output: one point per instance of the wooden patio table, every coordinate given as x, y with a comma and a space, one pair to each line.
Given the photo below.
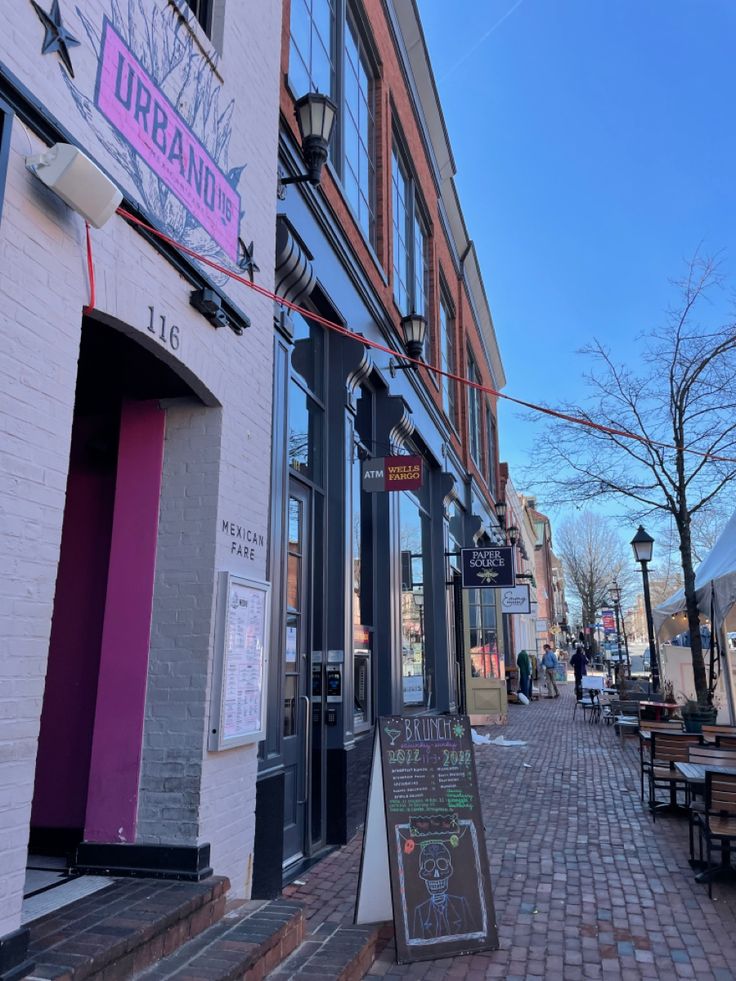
668, 707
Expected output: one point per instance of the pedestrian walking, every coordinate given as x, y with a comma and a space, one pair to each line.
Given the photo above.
525, 674
579, 663
549, 663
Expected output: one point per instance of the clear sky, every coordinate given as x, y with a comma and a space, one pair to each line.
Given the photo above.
594, 142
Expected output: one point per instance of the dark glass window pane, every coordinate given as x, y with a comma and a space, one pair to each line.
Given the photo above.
293, 573
473, 412
447, 362
307, 358
358, 163
413, 637
400, 223
311, 58
291, 688
305, 434
202, 11
295, 523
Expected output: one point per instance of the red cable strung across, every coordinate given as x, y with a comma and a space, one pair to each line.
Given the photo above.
90, 272
376, 345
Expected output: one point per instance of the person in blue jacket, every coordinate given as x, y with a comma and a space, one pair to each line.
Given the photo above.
549, 663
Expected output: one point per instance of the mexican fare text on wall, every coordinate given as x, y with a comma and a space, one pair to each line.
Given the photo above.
392, 473
131, 101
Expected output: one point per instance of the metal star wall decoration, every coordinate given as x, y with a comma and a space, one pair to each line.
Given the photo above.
57, 37
246, 262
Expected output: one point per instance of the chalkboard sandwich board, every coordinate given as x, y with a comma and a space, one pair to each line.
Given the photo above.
424, 858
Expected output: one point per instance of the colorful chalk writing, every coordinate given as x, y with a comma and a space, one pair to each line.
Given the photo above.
438, 864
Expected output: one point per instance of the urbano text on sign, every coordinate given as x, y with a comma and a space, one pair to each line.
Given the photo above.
131, 101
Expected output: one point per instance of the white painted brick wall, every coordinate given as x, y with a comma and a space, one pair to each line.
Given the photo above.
216, 459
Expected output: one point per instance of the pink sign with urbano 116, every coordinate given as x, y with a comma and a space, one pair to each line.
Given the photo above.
130, 100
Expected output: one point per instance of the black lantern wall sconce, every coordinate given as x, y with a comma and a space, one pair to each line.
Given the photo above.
414, 329
315, 117
501, 513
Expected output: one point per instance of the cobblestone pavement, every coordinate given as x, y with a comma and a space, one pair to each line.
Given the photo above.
585, 885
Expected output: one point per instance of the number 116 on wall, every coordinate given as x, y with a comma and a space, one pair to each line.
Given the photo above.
169, 335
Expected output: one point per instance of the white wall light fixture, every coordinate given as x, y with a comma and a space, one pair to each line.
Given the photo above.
78, 182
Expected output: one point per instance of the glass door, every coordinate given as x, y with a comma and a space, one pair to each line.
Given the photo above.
297, 714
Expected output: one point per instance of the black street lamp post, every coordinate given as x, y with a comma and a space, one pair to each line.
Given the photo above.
616, 593
643, 545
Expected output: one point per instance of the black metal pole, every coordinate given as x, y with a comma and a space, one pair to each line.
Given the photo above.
618, 638
654, 660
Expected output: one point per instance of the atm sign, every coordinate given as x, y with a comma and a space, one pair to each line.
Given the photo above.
392, 473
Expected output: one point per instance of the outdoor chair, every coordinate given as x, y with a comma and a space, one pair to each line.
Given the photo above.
626, 718
717, 822
711, 732
705, 755
590, 701
668, 748
645, 756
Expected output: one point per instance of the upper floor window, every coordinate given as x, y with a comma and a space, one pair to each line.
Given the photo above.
491, 455
358, 126
311, 54
410, 259
448, 361
474, 419
202, 10
328, 55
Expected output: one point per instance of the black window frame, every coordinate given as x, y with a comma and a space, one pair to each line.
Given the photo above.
6, 129
202, 10
416, 213
448, 386
347, 15
475, 432
491, 449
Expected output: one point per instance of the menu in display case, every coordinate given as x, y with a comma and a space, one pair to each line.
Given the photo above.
239, 688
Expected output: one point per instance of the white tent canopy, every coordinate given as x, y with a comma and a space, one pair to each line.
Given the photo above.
715, 578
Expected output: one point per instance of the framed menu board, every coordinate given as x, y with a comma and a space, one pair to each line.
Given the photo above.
424, 853
238, 706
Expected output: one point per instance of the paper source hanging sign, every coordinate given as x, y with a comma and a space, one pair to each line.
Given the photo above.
392, 473
132, 102
488, 567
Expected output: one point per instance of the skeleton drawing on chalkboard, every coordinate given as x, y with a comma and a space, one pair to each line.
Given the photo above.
442, 914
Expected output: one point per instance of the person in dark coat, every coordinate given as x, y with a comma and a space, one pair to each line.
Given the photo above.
579, 664
525, 674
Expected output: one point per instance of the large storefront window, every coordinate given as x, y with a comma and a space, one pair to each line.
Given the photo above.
414, 533
485, 661
306, 409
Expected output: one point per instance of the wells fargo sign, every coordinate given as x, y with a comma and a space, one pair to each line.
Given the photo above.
392, 473
131, 102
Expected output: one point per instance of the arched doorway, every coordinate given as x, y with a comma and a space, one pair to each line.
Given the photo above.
89, 750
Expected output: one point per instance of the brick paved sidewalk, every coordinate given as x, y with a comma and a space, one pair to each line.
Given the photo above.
585, 885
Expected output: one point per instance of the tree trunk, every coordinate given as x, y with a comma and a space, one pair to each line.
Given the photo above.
693, 616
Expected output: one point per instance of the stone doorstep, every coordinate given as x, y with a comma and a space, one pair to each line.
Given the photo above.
333, 953
251, 940
112, 934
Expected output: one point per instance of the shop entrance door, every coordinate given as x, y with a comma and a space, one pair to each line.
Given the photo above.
297, 708
485, 681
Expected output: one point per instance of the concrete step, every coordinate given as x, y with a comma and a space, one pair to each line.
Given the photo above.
334, 952
119, 931
249, 941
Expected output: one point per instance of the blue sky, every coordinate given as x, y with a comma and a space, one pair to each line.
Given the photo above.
594, 141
